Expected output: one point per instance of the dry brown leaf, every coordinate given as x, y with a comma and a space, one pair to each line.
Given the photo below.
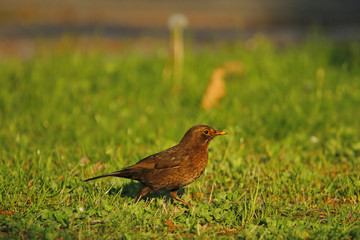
171, 225
215, 90
84, 161
7, 213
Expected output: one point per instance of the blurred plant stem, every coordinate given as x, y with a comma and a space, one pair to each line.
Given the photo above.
174, 66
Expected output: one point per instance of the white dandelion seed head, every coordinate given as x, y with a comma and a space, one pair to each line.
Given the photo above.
314, 139
177, 20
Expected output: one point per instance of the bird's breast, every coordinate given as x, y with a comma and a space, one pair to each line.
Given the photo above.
194, 168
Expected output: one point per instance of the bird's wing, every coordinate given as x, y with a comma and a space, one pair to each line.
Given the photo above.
173, 162
170, 158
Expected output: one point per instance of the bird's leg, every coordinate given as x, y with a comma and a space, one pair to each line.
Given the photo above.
173, 194
143, 192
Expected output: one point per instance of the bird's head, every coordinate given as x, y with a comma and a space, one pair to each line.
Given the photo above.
200, 135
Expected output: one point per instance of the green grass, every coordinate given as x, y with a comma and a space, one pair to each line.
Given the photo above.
289, 169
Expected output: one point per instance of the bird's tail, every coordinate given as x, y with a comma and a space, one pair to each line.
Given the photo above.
122, 173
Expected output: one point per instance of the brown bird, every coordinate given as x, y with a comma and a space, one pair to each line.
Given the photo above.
173, 168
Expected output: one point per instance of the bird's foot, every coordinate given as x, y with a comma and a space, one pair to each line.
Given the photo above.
143, 192
173, 194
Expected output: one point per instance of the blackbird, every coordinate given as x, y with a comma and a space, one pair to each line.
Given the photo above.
173, 168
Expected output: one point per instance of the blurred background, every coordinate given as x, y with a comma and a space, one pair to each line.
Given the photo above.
23, 23
88, 87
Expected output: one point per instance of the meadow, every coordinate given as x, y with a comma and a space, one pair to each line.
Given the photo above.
288, 169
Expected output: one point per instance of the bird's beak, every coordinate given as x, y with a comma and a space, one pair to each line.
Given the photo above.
220, 133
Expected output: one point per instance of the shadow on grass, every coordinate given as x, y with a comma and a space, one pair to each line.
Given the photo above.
132, 190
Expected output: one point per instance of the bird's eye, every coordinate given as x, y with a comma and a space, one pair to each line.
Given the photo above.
206, 131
